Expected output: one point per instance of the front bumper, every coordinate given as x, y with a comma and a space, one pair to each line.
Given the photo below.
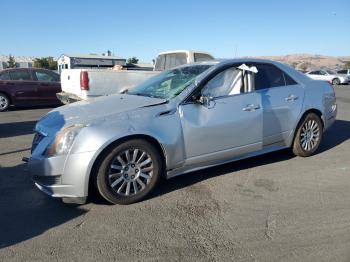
62, 176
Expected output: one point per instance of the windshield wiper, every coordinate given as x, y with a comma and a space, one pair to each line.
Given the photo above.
148, 95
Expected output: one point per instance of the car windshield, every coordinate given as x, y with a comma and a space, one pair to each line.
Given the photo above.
170, 83
331, 72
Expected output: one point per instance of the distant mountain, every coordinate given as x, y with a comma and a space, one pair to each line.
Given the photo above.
310, 62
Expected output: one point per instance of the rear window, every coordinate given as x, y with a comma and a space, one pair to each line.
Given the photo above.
4, 76
173, 60
199, 57
20, 75
168, 61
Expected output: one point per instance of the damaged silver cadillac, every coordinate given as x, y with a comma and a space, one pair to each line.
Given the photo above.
184, 119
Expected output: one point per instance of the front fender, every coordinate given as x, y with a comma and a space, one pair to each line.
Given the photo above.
166, 130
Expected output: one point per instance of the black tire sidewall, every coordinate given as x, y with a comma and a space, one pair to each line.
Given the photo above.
297, 147
335, 81
102, 172
8, 102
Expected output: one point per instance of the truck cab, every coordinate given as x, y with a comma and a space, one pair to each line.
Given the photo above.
170, 59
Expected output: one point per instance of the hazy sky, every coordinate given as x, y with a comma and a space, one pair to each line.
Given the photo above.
144, 28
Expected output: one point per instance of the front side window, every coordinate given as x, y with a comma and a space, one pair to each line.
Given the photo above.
170, 83
314, 73
4, 76
44, 77
199, 57
21, 75
225, 83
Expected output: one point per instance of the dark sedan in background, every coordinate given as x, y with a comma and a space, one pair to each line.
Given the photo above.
28, 86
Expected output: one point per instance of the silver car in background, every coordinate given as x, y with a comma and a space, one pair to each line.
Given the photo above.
328, 75
185, 119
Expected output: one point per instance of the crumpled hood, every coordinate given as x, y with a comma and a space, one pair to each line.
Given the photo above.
85, 112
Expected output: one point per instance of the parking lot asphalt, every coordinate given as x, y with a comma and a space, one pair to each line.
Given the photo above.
274, 207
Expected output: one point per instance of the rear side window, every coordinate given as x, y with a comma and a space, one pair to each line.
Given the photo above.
199, 57
270, 76
45, 77
288, 80
20, 75
342, 72
4, 76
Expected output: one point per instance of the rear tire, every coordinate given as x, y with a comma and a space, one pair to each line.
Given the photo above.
308, 135
336, 81
129, 172
4, 102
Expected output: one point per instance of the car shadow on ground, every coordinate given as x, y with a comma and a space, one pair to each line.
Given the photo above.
25, 211
336, 135
16, 129
29, 107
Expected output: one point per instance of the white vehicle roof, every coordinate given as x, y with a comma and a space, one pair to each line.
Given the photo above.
183, 51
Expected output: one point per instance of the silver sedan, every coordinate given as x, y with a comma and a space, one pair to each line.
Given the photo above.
185, 119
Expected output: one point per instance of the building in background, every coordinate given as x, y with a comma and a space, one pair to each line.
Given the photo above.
21, 61
71, 61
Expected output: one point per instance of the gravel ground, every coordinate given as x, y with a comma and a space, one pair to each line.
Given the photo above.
274, 207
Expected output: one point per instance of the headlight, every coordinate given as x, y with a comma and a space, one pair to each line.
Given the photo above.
63, 141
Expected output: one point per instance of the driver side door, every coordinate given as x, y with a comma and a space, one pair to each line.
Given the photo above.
230, 125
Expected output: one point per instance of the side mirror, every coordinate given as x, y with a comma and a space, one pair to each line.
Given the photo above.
203, 100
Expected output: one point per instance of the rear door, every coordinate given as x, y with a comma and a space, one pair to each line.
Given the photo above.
48, 85
282, 99
23, 88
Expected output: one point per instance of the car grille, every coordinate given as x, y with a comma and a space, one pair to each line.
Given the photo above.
36, 140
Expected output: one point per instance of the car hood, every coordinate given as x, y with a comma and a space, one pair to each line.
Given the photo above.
85, 112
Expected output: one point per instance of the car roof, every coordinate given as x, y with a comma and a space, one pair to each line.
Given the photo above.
26, 68
299, 76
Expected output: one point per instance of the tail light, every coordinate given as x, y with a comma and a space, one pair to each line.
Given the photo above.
84, 80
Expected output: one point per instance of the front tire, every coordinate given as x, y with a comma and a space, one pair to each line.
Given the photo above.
4, 102
336, 81
308, 135
129, 172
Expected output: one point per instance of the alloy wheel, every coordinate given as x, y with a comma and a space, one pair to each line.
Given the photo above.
4, 103
309, 135
130, 172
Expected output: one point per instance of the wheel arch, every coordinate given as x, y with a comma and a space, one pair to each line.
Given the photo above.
316, 112
118, 141
310, 110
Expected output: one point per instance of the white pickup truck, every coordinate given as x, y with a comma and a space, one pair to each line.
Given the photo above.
84, 84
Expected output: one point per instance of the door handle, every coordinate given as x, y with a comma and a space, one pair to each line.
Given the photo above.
291, 98
251, 107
